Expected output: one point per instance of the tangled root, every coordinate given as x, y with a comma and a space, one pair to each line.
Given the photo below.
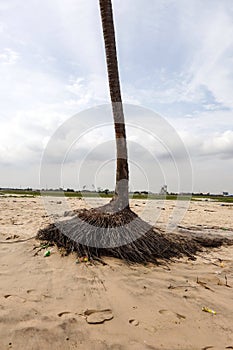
99, 233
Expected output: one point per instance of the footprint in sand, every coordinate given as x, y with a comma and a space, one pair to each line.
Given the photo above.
134, 322
15, 297
30, 291
98, 316
63, 313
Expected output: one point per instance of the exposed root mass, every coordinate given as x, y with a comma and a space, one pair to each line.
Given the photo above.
123, 235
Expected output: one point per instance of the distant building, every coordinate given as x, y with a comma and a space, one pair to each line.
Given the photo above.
225, 193
163, 190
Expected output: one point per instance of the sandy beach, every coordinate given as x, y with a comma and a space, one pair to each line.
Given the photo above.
55, 303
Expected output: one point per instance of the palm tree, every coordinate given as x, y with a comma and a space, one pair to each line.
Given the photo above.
121, 196
114, 229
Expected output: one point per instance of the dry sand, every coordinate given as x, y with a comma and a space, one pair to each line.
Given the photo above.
42, 299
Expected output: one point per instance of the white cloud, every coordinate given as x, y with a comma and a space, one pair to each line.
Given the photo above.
85, 91
174, 57
212, 64
220, 145
25, 136
8, 56
210, 146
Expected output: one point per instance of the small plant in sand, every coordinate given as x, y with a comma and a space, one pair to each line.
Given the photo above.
114, 229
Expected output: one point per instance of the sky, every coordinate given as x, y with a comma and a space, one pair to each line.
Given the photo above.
176, 70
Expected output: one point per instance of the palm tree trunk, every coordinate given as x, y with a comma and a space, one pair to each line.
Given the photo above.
121, 196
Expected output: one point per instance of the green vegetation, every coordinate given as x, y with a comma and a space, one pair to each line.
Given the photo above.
19, 192
216, 198
108, 194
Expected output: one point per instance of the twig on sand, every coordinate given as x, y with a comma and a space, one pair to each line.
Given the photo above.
203, 284
18, 241
227, 285
180, 286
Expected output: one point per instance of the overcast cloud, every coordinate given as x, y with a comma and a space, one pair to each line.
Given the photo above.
175, 58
